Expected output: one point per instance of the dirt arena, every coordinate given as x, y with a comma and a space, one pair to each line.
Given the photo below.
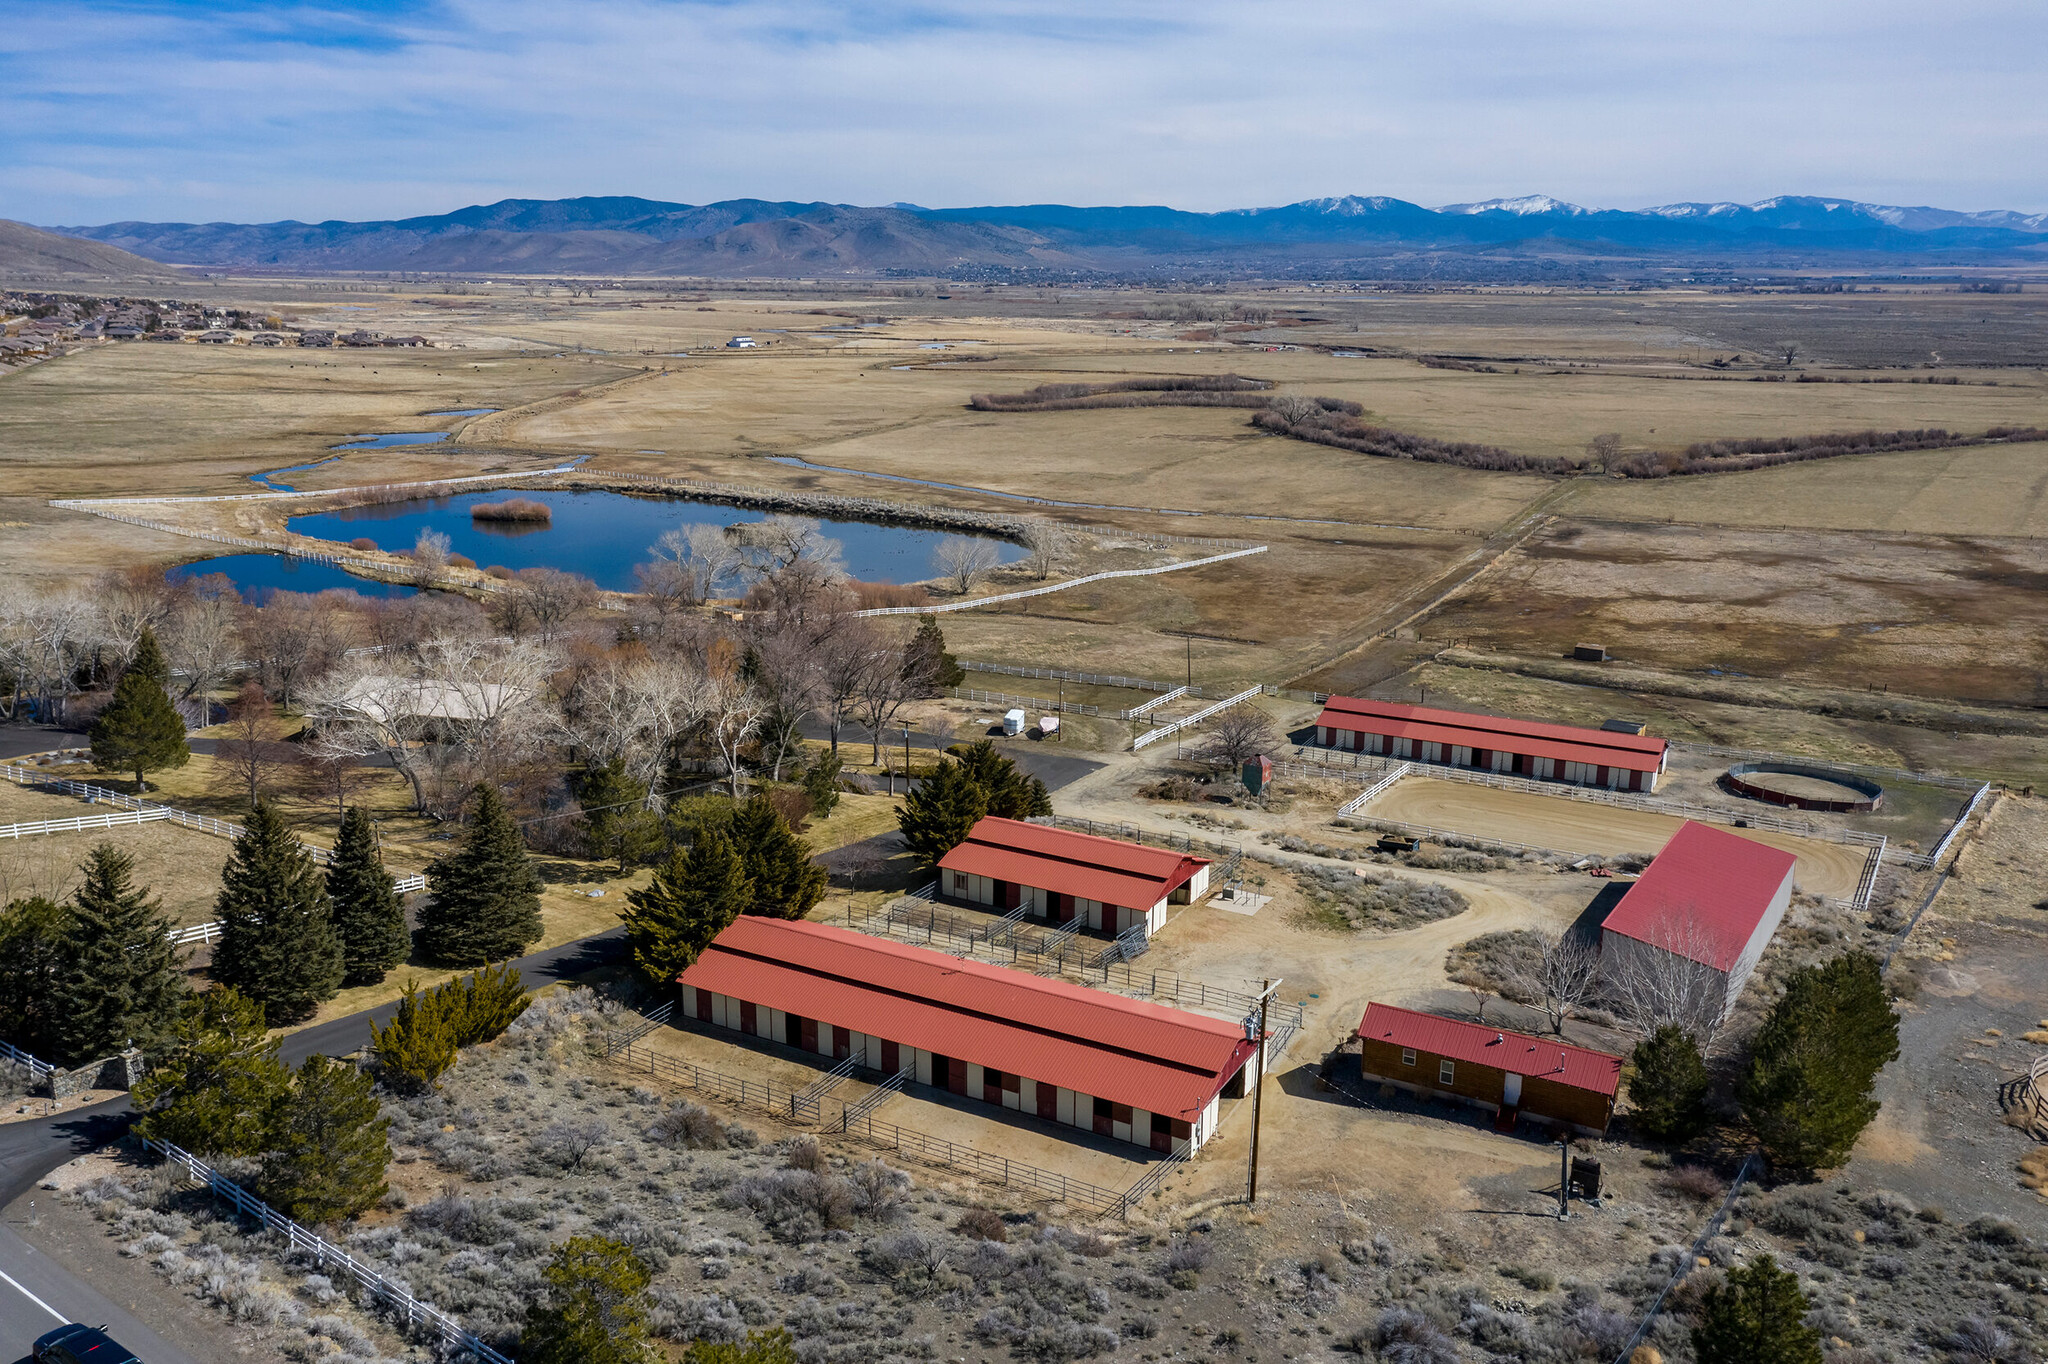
1830, 869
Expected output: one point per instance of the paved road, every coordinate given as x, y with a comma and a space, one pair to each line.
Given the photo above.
37, 1294
30, 1150
17, 740
1045, 759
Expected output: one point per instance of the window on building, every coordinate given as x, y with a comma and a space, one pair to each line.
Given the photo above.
1446, 1072
1407, 1056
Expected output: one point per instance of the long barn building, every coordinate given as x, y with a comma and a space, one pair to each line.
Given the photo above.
1615, 759
1060, 876
1120, 1068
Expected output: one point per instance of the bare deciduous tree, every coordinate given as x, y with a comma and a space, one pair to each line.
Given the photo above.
1652, 984
1788, 351
692, 562
1565, 976
429, 556
292, 638
46, 640
1295, 408
1236, 736
633, 707
252, 753
963, 560
775, 543
198, 635
1603, 450
542, 601
1047, 546
885, 688
732, 712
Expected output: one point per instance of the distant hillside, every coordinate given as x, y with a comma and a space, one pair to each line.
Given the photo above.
754, 237
30, 253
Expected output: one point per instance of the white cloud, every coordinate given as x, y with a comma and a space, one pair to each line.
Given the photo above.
172, 111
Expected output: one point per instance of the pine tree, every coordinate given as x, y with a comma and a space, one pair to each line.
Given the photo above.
1007, 793
617, 825
368, 916
936, 816
820, 782
329, 1149
786, 884
415, 1049
277, 940
215, 1084
1667, 1092
121, 980
140, 731
926, 662
594, 1310
693, 898
33, 955
483, 902
1808, 1092
1757, 1316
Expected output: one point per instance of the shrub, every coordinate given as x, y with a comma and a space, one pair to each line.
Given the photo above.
512, 509
1404, 1336
982, 1224
362, 542
498, 571
1696, 1182
1342, 898
461, 561
570, 1143
689, 1126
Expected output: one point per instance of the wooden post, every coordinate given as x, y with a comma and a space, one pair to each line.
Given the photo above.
1266, 988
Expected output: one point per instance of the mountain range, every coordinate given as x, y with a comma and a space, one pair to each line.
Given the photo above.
754, 237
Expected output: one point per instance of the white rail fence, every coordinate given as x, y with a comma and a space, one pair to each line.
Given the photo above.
1168, 731
38, 1071
1941, 848
1039, 703
91, 503
144, 812
1866, 884
1061, 675
417, 1315
1058, 587
1146, 707
1358, 802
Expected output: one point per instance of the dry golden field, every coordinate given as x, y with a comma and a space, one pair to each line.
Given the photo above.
1927, 581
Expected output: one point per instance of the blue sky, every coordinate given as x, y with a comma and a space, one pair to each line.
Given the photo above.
366, 109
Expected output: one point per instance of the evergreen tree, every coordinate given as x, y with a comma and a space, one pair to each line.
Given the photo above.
329, 1149
483, 899
820, 782
121, 980
617, 825
215, 1084
1667, 1090
693, 898
368, 916
594, 1310
140, 731
415, 1049
1756, 1316
484, 1003
936, 816
1007, 792
33, 954
1815, 1062
689, 818
926, 664
786, 884
277, 940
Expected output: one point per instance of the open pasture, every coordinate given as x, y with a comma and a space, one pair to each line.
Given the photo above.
1947, 617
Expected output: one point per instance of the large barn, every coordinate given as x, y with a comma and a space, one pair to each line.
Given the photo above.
1121, 1068
1509, 1074
1613, 758
1108, 884
1711, 898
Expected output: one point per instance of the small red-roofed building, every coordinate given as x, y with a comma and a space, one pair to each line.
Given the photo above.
1618, 759
1121, 1068
1060, 876
1711, 898
1510, 1074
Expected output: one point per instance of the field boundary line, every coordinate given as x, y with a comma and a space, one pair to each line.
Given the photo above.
1166, 731
1058, 587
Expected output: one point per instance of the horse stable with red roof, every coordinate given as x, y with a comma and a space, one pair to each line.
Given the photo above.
1613, 758
1108, 884
1121, 1068
1712, 898
1510, 1074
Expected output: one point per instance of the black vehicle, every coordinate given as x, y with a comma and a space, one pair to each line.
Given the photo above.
76, 1344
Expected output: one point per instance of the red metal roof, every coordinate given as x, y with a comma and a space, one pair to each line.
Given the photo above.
1704, 895
1567, 743
1124, 1050
1104, 869
1535, 1057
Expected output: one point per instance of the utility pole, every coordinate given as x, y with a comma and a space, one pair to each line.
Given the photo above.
1564, 1178
1266, 989
1060, 709
906, 762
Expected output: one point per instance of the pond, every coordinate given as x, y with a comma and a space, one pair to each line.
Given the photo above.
256, 576
387, 441
604, 535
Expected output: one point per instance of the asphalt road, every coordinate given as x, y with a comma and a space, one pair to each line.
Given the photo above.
37, 1294
17, 740
30, 1150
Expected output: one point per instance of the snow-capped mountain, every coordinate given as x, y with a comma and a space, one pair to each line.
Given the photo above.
1526, 206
